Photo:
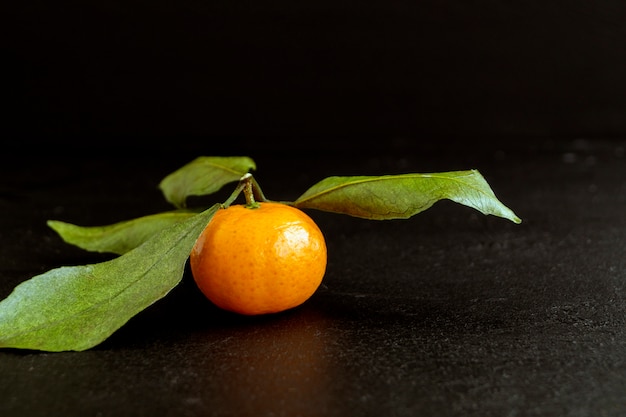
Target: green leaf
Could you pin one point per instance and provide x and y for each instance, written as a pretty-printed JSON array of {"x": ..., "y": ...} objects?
[
  {"x": 117, "y": 238},
  {"x": 78, "y": 307},
  {"x": 203, "y": 176},
  {"x": 402, "y": 196}
]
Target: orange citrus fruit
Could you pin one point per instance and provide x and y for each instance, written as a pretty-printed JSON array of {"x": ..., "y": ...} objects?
[{"x": 259, "y": 260}]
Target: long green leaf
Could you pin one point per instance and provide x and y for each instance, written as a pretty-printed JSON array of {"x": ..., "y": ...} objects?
[
  {"x": 78, "y": 307},
  {"x": 203, "y": 176},
  {"x": 117, "y": 238},
  {"x": 402, "y": 196}
]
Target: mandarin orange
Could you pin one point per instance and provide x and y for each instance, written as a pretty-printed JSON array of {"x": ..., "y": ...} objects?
[{"x": 259, "y": 260}]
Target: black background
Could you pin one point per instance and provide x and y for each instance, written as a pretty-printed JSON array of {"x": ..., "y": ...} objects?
[
  {"x": 372, "y": 70},
  {"x": 449, "y": 313}
]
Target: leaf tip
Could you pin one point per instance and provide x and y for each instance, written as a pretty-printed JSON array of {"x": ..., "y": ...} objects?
[{"x": 55, "y": 225}]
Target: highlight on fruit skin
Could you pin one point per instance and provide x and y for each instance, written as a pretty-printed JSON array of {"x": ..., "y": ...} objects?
[{"x": 260, "y": 260}]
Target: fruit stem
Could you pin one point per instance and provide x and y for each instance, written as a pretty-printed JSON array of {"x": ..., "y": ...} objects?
[
  {"x": 248, "y": 192},
  {"x": 251, "y": 191}
]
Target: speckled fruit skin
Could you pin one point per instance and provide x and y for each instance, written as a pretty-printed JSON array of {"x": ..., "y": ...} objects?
[{"x": 260, "y": 260}]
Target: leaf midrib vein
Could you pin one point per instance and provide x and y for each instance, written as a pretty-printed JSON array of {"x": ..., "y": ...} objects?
[
  {"x": 103, "y": 300},
  {"x": 393, "y": 177}
]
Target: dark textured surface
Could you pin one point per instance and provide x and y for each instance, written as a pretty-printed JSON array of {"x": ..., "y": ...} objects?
[{"x": 450, "y": 313}]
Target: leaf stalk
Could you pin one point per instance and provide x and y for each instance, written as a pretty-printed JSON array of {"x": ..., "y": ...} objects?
[{"x": 251, "y": 191}]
